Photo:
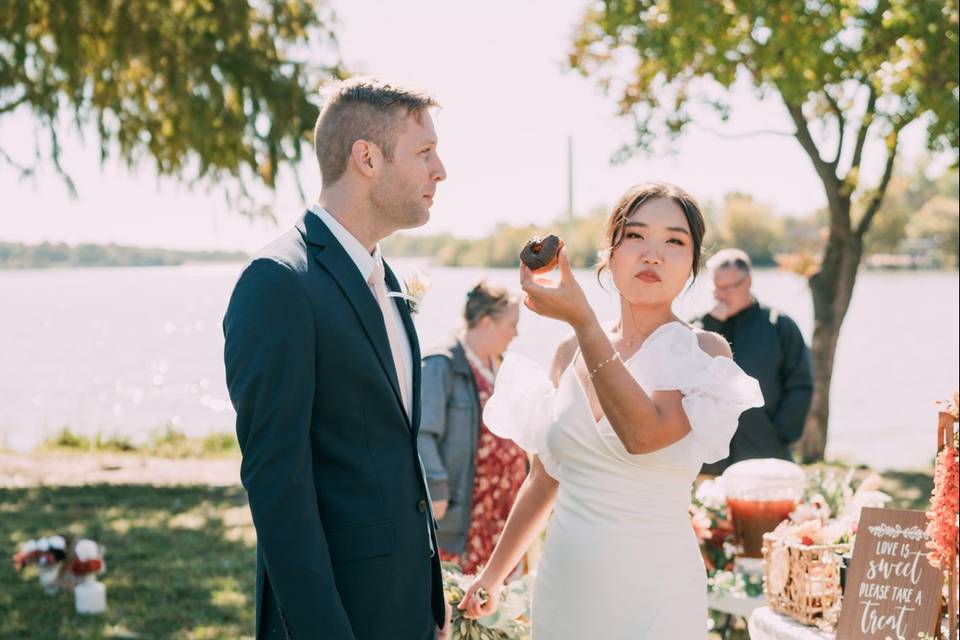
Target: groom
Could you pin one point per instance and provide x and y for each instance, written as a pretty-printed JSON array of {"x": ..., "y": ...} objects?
[{"x": 323, "y": 368}]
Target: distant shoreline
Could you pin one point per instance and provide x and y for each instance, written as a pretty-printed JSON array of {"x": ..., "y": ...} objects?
[
  {"x": 19, "y": 256},
  {"x": 91, "y": 267},
  {"x": 60, "y": 256}
]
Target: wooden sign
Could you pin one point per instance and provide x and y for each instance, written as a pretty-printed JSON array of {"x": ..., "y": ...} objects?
[{"x": 892, "y": 592}]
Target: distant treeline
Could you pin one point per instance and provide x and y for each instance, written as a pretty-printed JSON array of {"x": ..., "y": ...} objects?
[
  {"x": 48, "y": 255},
  {"x": 918, "y": 226}
]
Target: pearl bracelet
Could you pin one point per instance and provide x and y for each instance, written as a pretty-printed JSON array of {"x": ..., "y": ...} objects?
[{"x": 596, "y": 370}]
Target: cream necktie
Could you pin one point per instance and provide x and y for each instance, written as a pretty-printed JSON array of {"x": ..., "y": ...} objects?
[{"x": 378, "y": 285}]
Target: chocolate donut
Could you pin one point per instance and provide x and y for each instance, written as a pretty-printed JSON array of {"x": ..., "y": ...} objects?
[{"x": 540, "y": 254}]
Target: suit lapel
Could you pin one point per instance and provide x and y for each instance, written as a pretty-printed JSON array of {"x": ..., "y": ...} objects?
[
  {"x": 335, "y": 260},
  {"x": 411, "y": 331}
]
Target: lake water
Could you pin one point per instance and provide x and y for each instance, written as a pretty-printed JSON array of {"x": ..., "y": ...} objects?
[{"x": 127, "y": 351}]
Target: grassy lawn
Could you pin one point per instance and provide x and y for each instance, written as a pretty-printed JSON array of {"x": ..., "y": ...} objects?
[
  {"x": 909, "y": 489},
  {"x": 180, "y": 561},
  {"x": 165, "y": 442}
]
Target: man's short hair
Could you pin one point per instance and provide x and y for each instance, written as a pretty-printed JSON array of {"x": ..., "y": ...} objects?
[
  {"x": 730, "y": 258},
  {"x": 363, "y": 108}
]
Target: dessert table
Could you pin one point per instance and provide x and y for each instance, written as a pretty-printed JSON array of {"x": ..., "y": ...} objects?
[
  {"x": 765, "y": 624},
  {"x": 740, "y": 606}
]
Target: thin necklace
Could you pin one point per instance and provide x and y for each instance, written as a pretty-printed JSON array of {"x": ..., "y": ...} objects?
[{"x": 628, "y": 342}]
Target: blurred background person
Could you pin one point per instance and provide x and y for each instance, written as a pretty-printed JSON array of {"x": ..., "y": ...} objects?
[
  {"x": 768, "y": 345},
  {"x": 473, "y": 475}
]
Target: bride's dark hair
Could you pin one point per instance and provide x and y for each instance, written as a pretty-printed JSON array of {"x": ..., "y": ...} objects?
[{"x": 633, "y": 199}]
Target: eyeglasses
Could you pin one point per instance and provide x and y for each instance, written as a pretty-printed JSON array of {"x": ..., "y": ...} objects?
[{"x": 731, "y": 287}]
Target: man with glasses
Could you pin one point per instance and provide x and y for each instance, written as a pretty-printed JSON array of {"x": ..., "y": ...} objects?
[{"x": 768, "y": 345}]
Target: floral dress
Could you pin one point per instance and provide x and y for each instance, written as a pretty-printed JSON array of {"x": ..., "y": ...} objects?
[{"x": 500, "y": 469}]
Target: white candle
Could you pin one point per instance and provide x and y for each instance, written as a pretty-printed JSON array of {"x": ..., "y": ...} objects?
[{"x": 90, "y": 596}]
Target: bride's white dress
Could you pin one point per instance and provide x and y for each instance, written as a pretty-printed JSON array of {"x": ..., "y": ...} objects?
[{"x": 621, "y": 560}]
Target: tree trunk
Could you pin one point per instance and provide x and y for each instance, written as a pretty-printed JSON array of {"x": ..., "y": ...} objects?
[
  {"x": 832, "y": 289},
  {"x": 832, "y": 285}
]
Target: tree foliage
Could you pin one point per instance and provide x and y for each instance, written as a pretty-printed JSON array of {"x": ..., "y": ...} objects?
[
  {"x": 847, "y": 71},
  {"x": 895, "y": 60},
  {"x": 907, "y": 197},
  {"x": 924, "y": 211},
  {"x": 217, "y": 90},
  {"x": 938, "y": 223},
  {"x": 751, "y": 226}
]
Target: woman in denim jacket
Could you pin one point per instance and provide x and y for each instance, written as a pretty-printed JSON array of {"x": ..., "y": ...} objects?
[{"x": 473, "y": 475}]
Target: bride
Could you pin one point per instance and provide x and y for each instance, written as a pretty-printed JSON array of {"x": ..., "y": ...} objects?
[{"x": 619, "y": 431}]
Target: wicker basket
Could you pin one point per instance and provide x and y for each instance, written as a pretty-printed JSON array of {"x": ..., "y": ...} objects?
[{"x": 803, "y": 582}]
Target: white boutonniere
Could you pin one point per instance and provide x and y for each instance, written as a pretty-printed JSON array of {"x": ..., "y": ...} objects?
[{"x": 415, "y": 290}]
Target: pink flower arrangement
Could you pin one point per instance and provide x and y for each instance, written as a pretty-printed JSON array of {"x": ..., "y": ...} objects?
[
  {"x": 43, "y": 552},
  {"x": 714, "y": 531},
  {"x": 701, "y": 523},
  {"x": 87, "y": 558},
  {"x": 944, "y": 504}
]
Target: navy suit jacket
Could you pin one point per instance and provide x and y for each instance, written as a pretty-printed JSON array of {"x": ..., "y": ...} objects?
[{"x": 345, "y": 535}]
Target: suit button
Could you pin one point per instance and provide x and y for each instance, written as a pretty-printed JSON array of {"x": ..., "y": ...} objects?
[{"x": 422, "y": 506}]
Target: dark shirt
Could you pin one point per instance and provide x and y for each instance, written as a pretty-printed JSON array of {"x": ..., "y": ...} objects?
[{"x": 767, "y": 345}]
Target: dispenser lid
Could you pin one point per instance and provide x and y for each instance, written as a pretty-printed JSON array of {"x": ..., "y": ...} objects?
[{"x": 764, "y": 478}]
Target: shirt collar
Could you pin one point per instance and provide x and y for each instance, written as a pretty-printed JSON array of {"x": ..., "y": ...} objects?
[
  {"x": 358, "y": 253},
  {"x": 747, "y": 310},
  {"x": 474, "y": 359}
]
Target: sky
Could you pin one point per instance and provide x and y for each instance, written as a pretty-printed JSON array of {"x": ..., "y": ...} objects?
[{"x": 508, "y": 110}]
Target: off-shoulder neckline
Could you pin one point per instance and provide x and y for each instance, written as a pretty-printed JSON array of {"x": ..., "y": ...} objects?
[
  {"x": 643, "y": 345},
  {"x": 581, "y": 389}
]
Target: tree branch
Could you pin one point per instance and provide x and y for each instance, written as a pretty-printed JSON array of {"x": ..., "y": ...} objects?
[
  {"x": 55, "y": 156},
  {"x": 838, "y": 112},
  {"x": 25, "y": 172},
  {"x": 297, "y": 181},
  {"x": 824, "y": 169},
  {"x": 10, "y": 106},
  {"x": 862, "y": 133},
  {"x": 877, "y": 198},
  {"x": 748, "y": 134}
]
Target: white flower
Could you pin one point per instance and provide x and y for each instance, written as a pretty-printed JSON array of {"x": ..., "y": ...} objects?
[
  {"x": 57, "y": 542},
  {"x": 861, "y": 499},
  {"x": 712, "y": 494},
  {"x": 871, "y": 483},
  {"x": 87, "y": 550},
  {"x": 836, "y": 531},
  {"x": 815, "y": 509},
  {"x": 514, "y": 603},
  {"x": 29, "y": 546},
  {"x": 43, "y": 544},
  {"x": 415, "y": 290}
]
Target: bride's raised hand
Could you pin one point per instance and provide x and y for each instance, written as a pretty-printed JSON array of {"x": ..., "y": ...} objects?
[
  {"x": 481, "y": 599},
  {"x": 561, "y": 300}
]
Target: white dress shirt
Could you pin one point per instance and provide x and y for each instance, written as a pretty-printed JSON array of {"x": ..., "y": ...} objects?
[{"x": 365, "y": 263}]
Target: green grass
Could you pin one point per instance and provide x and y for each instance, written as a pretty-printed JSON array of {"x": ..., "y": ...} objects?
[
  {"x": 180, "y": 562},
  {"x": 909, "y": 489},
  {"x": 165, "y": 442}
]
